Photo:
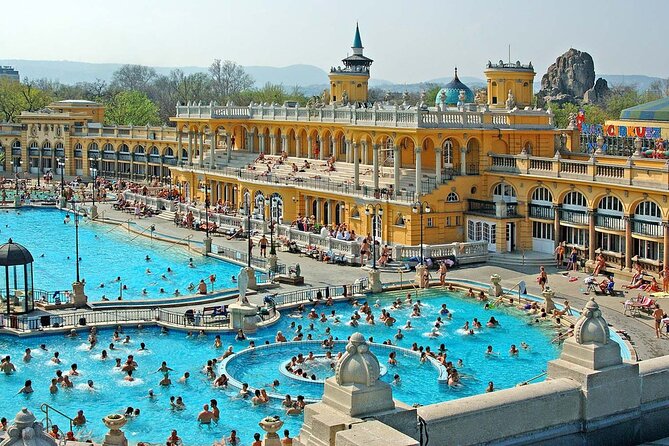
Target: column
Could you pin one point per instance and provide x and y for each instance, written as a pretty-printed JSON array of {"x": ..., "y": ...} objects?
[
  {"x": 228, "y": 143},
  {"x": 190, "y": 148},
  {"x": 556, "y": 224},
  {"x": 179, "y": 148},
  {"x": 396, "y": 168},
  {"x": 365, "y": 152},
  {"x": 321, "y": 151},
  {"x": 629, "y": 249},
  {"x": 318, "y": 210},
  {"x": 375, "y": 165},
  {"x": 438, "y": 165},
  {"x": 419, "y": 171},
  {"x": 212, "y": 150},
  {"x": 201, "y": 144},
  {"x": 272, "y": 142},
  {"x": 463, "y": 161},
  {"x": 356, "y": 166},
  {"x": 665, "y": 254},
  {"x": 333, "y": 147},
  {"x": 261, "y": 143},
  {"x": 298, "y": 148},
  {"x": 284, "y": 143},
  {"x": 592, "y": 235},
  {"x": 310, "y": 148}
]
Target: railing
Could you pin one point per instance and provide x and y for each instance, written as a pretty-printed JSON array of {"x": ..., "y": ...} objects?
[
  {"x": 614, "y": 222},
  {"x": 543, "y": 165},
  {"x": 652, "y": 229},
  {"x": 460, "y": 251},
  {"x": 576, "y": 217},
  {"x": 482, "y": 207},
  {"x": 58, "y": 297},
  {"x": 512, "y": 210},
  {"x": 610, "y": 171},
  {"x": 360, "y": 286},
  {"x": 46, "y": 408},
  {"x": 541, "y": 211}
]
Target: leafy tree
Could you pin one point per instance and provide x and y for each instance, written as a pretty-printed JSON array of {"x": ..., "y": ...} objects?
[
  {"x": 16, "y": 97},
  {"x": 228, "y": 80},
  {"x": 133, "y": 77},
  {"x": 431, "y": 94},
  {"x": 131, "y": 108}
]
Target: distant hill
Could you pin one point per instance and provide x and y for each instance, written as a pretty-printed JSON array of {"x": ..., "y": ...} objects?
[{"x": 641, "y": 82}]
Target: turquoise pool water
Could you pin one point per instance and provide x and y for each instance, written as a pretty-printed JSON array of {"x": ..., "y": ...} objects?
[
  {"x": 107, "y": 252},
  {"x": 418, "y": 381}
]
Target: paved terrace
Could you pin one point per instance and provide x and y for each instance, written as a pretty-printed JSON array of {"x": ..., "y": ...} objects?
[{"x": 640, "y": 329}]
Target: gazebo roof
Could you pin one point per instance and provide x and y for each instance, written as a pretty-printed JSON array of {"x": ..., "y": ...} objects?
[{"x": 14, "y": 254}]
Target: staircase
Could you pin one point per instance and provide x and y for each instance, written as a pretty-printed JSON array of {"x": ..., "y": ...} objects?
[
  {"x": 511, "y": 260},
  {"x": 166, "y": 215}
]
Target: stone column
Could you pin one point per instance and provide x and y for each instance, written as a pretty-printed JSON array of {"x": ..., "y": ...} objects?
[
  {"x": 665, "y": 240},
  {"x": 333, "y": 147},
  {"x": 396, "y": 168},
  {"x": 212, "y": 149},
  {"x": 438, "y": 164},
  {"x": 356, "y": 165},
  {"x": 556, "y": 224},
  {"x": 319, "y": 211},
  {"x": 629, "y": 249},
  {"x": 272, "y": 144},
  {"x": 252, "y": 141},
  {"x": 261, "y": 143},
  {"x": 298, "y": 147},
  {"x": 463, "y": 161},
  {"x": 321, "y": 152},
  {"x": 201, "y": 143},
  {"x": 365, "y": 153},
  {"x": 190, "y": 148},
  {"x": 228, "y": 143},
  {"x": 179, "y": 148},
  {"x": 310, "y": 148},
  {"x": 284, "y": 143},
  {"x": 592, "y": 235},
  {"x": 375, "y": 165},
  {"x": 419, "y": 171}
]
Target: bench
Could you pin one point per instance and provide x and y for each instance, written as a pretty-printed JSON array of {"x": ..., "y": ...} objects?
[
  {"x": 215, "y": 307},
  {"x": 289, "y": 279}
]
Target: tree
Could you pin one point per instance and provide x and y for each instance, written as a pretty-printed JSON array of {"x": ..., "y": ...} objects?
[
  {"x": 194, "y": 87},
  {"x": 131, "y": 108},
  {"x": 228, "y": 80},
  {"x": 133, "y": 77},
  {"x": 619, "y": 98},
  {"x": 16, "y": 97},
  {"x": 431, "y": 94}
]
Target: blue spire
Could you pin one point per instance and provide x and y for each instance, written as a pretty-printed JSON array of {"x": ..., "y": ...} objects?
[{"x": 357, "y": 41}]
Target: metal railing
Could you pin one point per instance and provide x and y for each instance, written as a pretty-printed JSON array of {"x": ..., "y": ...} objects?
[
  {"x": 482, "y": 207},
  {"x": 652, "y": 229},
  {"x": 541, "y": 211},
  {"x": 615, "y": 222},
  {"x": 573, "y": 216},
  {"x": 46, "y": 408}
]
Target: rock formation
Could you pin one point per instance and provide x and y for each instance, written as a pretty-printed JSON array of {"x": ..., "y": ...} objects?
[
  {"x": 596, "y": 94},
  {"x": 567, "y": 80}
]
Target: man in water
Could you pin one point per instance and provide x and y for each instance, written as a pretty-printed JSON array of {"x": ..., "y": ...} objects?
[
  {"x": 6, "y": 366},
  {"x": 206, "y": 415}
]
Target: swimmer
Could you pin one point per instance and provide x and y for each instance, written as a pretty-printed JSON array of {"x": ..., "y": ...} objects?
[
  {"x": 162, "y": 291},
  {"x": 56, "y": 358},
  {"x": 166, "y": 381},
  {"x": 190, "y": 263},
  {"x": 489, "y": 351},
  {"x": 90, "y": 384},
  {"x": 148, "y": 271},
  {"x": 118, "y": 279},
  {"x": 53, "y": 388},
  {"x": 102, "y": 285},
  {"x": 184, "y": 379},
  {"x": 396, "y": 379},
  {"x": 129, "y": 376},
  {"x": 205, "y": 416},
  {"x": 524, "y": 345},
  {"x": 147, "y": 258},
  {"x": 27, "y": 357},
  {"x": 126, "y": 340},
  {"x": 491, "y": 387},
  {"x": 233, "y": 279},
  {"x": 144, "y": 292},
  {"x": 169, "y": 270},
  {"x": 163, "y": 276},
  {"x": 27, "y": 388},
  {"x": 513, "y": 351},
  {"x": 177, "y": 292}
]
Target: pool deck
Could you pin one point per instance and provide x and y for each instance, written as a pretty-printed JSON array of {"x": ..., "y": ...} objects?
[{"x": 640, "y": 329}]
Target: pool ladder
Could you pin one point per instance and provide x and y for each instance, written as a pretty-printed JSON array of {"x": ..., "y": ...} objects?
[{"x": 47, "y": 409}]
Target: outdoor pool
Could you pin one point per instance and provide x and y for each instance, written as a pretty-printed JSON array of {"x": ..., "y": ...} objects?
[
  {"x": 419, "y": 383},
  {"x": 107, "y": 252}
]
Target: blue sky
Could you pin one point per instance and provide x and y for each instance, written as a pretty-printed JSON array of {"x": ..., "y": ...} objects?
[{"x": 409, "y": 40}]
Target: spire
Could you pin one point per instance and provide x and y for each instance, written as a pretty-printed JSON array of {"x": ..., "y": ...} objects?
[
  {"x": 357, "y": 41},
  {"x": 456, "y": 74}
]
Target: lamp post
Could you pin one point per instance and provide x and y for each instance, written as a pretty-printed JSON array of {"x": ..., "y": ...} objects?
[
  {"x": 272, "y": 223},
  {"x": 247, "y": 205},
  {"x": 421, "y": 207},
  {"x": 375, "y": 211},
  {"x": 207, "y": 239},
  {"x": 17, "y": 197},
  {"x": 76, "y": 236},
  {"x": 94, "y": 174}
]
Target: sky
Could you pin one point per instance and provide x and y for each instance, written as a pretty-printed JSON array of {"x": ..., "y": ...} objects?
[{"x": 410, "y": 41}]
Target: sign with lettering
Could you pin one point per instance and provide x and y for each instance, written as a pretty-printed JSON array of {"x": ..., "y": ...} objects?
[{"x": 622, "y": 131}]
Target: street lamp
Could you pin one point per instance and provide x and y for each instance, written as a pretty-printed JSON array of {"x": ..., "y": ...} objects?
[
  {"x": 247, "y": 204},
  {"x": 376, "y": 211},
  {"x": 206, "y": 208},
  {"x": 61, "y": 166},
  {"x": 76, "y": 235},
  {"x": 421, "y": 207},
  {"x": 94, "y": 174},
  {"x": 272, "y": 250}
]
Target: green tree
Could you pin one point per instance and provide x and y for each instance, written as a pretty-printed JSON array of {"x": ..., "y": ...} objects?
[
  {"x": 131, "y": 108},
  {"x": 228, "y": 79},
  {"x": 133, "y": 77},
  {"x": 431, "y": 94},
  {"x": 16, "y": 97}
]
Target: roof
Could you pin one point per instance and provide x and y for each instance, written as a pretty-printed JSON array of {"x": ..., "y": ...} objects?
[
  {"x": 657, "y": 110},
  {"x": 357, "y": 58},
  {"x": 14, "y": 254},
  {"x": 357, "y": 41}
]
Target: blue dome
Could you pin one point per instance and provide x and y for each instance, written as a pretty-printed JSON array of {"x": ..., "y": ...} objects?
[{"x": 451, "y": 92}]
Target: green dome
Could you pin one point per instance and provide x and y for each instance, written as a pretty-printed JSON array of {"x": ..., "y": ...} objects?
[{"x": 451, "y": 92}]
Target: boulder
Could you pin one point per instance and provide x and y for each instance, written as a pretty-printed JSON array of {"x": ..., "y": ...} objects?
[
  {"x": 596, "y": 94},
  {"x": 572, "y": 74}
]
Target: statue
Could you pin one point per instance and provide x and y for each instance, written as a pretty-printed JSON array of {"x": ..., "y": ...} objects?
[
  {"x": 242, "y": 285},
  {"x": 441, "y": 100},
  {"x": 386, "y": 97},
  {"x": 510, "y": 101},
  {"x": 481, "y": 96},
  {"x": 572, "y": 121},
  {"x": 325, "y": 97},
  {"x": 58, "y": 130},
  {"x": 33, "y": 130},
  {"x": 27, "y": 431},
  {"x": 461, "y": 97},
  {"x": 358, "y": 365},
  {"x": 405, "y": 97},
  {"x": 344, "y": 97},
  {"x": 496, "y": 287}
]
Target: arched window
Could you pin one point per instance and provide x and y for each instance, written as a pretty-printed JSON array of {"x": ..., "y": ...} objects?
[
  {"x": 93, "y": 147},
  {"x": 139, "y": 149},
  {"x": 259, "y": 205},
  {"x": 649, "y": 211},
  {"x": 16, "y": 145},
  {"x": 59, "y": 145},
  {"x": 77, "y": 146},
  {"x": 452, "y": 197},
  {"x": 46, "y": 145},
  {"x": 542, "y": 194},
  {"x": 355, "y": 212},
  {"x": 276, "y": 204},
  {"x": 399, "y": 220},
  {"x": 610, "y": 205},
  {"x": 504, "y": 191},
  {"x": 155, "y": 151},
  {"x": 574, "y": 200},
  {"x": 108, "y": 148},
  {"x": 123, "y": 148},
  {"x": 33, "y": 145},
  {"x": 447, "y": 150},
  {"x": 169, "y": 152}
]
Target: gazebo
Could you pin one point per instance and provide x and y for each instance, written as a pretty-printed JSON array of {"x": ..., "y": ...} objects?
[{"x": 17, "y": 265}]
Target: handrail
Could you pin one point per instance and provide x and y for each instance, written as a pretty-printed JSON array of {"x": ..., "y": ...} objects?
[
  {"x": 140, "y": 233},
  {"x": 46, "y": 407},
  {"x": 189, "y": 236},
  {"x": 524, "y": 383}
]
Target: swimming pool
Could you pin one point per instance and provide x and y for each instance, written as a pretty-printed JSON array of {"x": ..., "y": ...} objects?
[
  {"x": 418, "y": 382},
  {"x": 107, "y": 252}
]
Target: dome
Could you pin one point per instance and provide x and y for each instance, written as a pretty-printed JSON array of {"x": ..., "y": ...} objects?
[
  {"x": 14, "y": 254},
  {"x": 451, "y": 92}
]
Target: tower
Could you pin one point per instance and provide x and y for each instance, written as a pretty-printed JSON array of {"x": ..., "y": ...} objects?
[
  {"x": 514, "y": 78},
  {"x": 350, "y": 82}
]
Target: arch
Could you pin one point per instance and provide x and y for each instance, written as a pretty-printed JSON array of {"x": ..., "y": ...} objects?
[
  {"x": 399, "y": 220},
  {"x": 500, "y": 146},
  {"x": 450, "y": 152},
  {"x": 138, "y": 149},
  {"x": 527, "y": 147},
  {"x": 276, "y": 207},
  {"x": 574, "y": 200},
  {"x": 59, "y": 145},
  {"x": 123, "y": 148},
  {"x": 153, "y": 151},
  {"x": 542, "y": 195},
  {"x": 355, "y": 212},
  {"x": 33, "y": 145},
  {"x": 338, "y": 213},
  {"x": 108, "y": 148},
  {"x": 168, "y": 151},
  {"x": 505, "y": 192},
  {"x": 46, "y": 144},
  {"x": 472, "y": 155},
  {"x": 611, "y": 205},
  {"x": 259, "y": 204},
  {"x": 93, "y": 147},
  {"x": 16, "y": 144},
  {"x": 648, "y": 210},
  {"x": 78, "y": 147},
  {"x": 407, "y": 146},
  {"x": 452, "y": 197}
]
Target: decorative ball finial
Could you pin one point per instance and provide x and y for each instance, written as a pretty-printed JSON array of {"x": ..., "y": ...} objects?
[
  {"x": 358, "y": 365},
  {"x": 591, "y": 326}
]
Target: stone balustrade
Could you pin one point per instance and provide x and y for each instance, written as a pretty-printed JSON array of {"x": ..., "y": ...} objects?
[
  {"x": 606, "y": 169},
  {"x": 135, "y": 132},
  {"x": 384, "y": 116},
  {"x": 466, "y": 252}
]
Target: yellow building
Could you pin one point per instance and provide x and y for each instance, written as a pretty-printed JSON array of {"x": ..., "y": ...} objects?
[{"x": 498, "y": 172}]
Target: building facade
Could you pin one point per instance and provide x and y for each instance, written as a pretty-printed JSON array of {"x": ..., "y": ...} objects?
[{"x": 494, "y": 169}]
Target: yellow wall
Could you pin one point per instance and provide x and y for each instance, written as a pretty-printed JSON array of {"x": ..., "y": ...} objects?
[
  {"x": 501, "y": 80},
  {"x": 354, "y": 84}
]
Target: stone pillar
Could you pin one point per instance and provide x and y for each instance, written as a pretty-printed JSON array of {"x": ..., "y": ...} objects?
[
  {"x": 321, "y": 151},
  {"x": 629, "y": 249},
  {"x": 375, "y": 165},
  {"x": 228, "y": 143},
  {"x": 333, "y": 147},
  {"x": 356, "y": 165},
  {"x": 665, "y": 241},
  {"x": 463, "y": 161},
  {"x": 212, "y": 150},
  {"x": 556, "y": 225},
  {"x": 396, "y": 168},
  {"x": 271, "y": 425},
  {"x": 592, "y": 235},
  {"x": 318, "y": 210},
  {"x": 272, "y": 139},
  {"x": 420, "y": 278},
  {"x": 365, "y": 153},
  {"x": 298, "y": 147},
  {"x": 284, "y": 143},
  {"x": 179, "y": 148},
  {"x": 190, "y": 148},
  {"x": 252, "y": 142},
  {"x": 261, "y": 143},
  {"x": 201, "y": 144},
  {"x": 438, "y": 164},
  {"x": 310, "y": 148},
  {"x": 419, "y": 172}
]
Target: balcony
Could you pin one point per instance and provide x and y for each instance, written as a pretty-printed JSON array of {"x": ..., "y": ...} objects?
[
  {"x": 615, "y": 222},
  {"x": 542, "y": 212},
  {"x": 489, "y": 209},
  {"x": 647, "y": 228},
  {"x": 574, "y": 217}
]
